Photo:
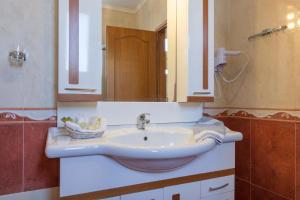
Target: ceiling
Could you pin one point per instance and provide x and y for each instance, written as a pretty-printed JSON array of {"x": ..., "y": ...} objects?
[{"x": 124, "y": 5}]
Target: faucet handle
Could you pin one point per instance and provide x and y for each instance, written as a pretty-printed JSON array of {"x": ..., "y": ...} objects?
[
  {"x": 142, "y": 121},
  {"x": 143, "y": 116}
]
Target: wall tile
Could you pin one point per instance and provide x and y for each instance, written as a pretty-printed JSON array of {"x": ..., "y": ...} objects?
[
  {"x": 298, "y": 161},
  {"x": 273, "y": 69},
  {"x": 273, "y": 156},
  {"x": 11, "y": 156},
  {"x": 242, "y": 190},
  {"x": 39, "y": 171},
  {"x": 242, "y": 156},
  {"x": 34, "y": 26},
  {"x": 260, "y": 194}
]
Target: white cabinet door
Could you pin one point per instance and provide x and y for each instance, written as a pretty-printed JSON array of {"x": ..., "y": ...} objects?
[
  {"x": 195, "y": 50},
  {"x": 189, "y": 191},
  {"x": 80, "y": 49},
  {"x": 217, "y": 186},
  {"x": 224, "y": 196},
  {"x": 147, "y": 195}
]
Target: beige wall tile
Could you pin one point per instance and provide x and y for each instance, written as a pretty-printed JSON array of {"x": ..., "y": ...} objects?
[
  {"x": 152, "y": 14},
  {"x": 112, "y": 17},
  {"x": 222, "y": 15},
  {"x": 33, "y": 26},
  {"x": 271, "y": 79}
]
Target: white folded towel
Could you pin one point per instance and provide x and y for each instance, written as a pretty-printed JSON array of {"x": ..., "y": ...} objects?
[
  {"x": 209, "y": 128},
  {"x": 75, "y": 126},
  {"x": 217, "y": 136}
]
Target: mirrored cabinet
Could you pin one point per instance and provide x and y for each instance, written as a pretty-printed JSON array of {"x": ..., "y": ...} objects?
[
  {"x": 195, "y": 50},
  {"x": 80, "y": 48},
  {"x": 136, "y": 55}
]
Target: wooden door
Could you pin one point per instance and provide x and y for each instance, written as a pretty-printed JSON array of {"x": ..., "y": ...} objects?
[
  {"x": 162, "y": 64},
  {"x": 131, "y": 65}
]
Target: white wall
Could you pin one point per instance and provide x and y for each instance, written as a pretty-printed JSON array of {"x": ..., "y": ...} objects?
[
  {"x": 152, "y": 14},
  {"x": 122, "y": 113}
]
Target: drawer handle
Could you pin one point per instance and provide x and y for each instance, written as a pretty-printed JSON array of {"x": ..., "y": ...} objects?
[
  {"x": 211, "y": 189},
  {"x": 176, "y": 197},
  {"x": 81, "y": 89}
]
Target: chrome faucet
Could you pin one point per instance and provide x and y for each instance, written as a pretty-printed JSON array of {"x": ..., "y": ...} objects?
[{"x": 142, "y": 121}]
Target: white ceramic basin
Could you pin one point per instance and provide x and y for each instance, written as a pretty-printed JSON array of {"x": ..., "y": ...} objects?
[
  {"x": 156, "y": 149},
  {"x": 153, "y": 150}
]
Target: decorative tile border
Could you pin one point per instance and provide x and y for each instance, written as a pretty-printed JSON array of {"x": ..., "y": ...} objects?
[
  {"x": 50, "y": 119},
  {"x": 242, "y": 114},
  {"x": 283, "y": 116},
  {"x": 8, "y": 116},
  {"x": 28, "y": 116},
  {"x": 254, "y": 114}
]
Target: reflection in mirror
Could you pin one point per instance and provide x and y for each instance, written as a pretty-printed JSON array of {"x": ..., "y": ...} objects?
[{"x": 135, "y": 49}]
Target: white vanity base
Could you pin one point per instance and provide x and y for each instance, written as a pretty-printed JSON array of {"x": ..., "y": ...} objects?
[{"x": 86, "y": 174}]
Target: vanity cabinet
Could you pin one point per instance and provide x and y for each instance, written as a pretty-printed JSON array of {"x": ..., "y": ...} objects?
[
  {"x": 216, "y": 186},
  {"x": 212, "y": 189},
  {"x": 147, "y": 195},
  {"x": 80, "y": 50},
  {"x": 224, "y": 196},
  {"x": 189, "y": 191},
  {"x": 113, "y": 198},
  {"x": 195, "y": 50}
]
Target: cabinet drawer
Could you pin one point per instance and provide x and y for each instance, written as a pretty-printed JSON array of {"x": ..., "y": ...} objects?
[
  {"x": 189, "y": 191},
  {"x": 217, "y": 186},
  {"x": 147, "y": 195},
  {"x": 224, "y": 196}
]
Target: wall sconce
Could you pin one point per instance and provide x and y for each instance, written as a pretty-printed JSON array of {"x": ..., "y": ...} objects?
[{"x": 17, "y": 57}]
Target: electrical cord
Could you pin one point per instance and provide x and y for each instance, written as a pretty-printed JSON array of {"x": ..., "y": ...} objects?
[
  {"x": 238, "y": 74},
  {"x": 219, "y": 92}
]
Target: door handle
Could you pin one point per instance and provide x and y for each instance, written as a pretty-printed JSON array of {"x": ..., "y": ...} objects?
[
  {"x": 176, "y": 197},
  {"x": 211, "y": 189}
]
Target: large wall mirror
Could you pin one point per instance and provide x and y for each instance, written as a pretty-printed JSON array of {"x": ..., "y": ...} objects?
[
  {"x": 137, "y": 43},
  {"x": 136, "y": 50}
]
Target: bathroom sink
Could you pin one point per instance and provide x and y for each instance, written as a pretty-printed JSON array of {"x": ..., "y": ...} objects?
[
  {"x": 154, "y": 149},
  {"x": 151, "y": 138}
]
